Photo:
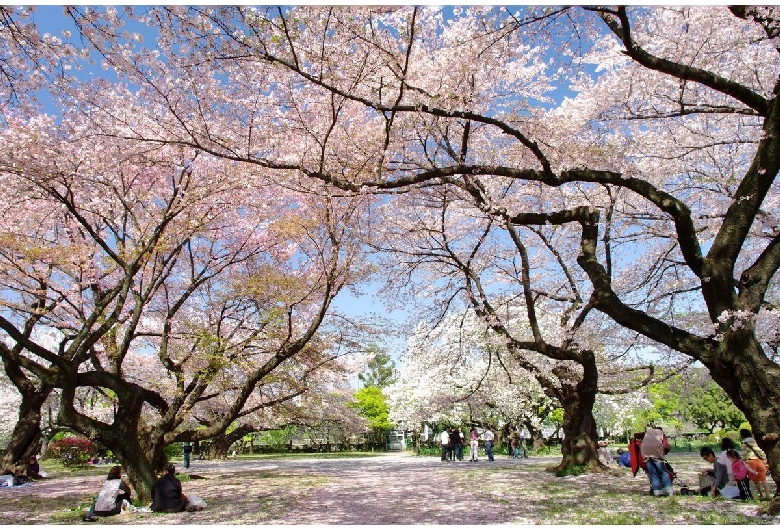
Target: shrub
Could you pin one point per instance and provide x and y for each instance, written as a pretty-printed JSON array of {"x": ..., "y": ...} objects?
[
  {"x": 429, "y": 451},
  {"x": 734, "y": 435},
  {"x": 73, "y": 452},
  {"x": 172, "y": 451}
]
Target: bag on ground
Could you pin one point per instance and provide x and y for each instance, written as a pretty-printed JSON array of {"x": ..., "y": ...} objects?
[{"x": 196, "y": 503}]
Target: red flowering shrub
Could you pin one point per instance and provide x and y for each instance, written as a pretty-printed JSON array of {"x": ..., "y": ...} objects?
[{"x": 73, "y": 452}]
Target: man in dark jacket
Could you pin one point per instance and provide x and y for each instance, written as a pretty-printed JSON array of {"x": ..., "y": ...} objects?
[
  {"x": 166, "y": 493},
  {"x": 457, "y": 443}
]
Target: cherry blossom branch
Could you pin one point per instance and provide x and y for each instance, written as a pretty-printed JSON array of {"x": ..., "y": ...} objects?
[{"x": 617, "y": 21}]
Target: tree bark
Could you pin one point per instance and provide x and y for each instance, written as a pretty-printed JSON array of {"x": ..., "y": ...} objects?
[
  {"x": 26, "y": 436},
  {"x": 537, "y": 438},
  {"x": 220, "y": 445},
  {"x": 142, "y": 468},
  {"x": 579, "y": 445},
  {"x": 753, "y": 383}
]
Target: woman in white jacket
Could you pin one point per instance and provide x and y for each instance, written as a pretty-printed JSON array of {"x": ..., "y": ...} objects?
[{"x": 114, "y": 491}]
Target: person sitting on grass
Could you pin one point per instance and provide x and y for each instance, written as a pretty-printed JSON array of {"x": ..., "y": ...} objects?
[
  {"x": 624, "y": 458},
  {"x": 714, "y": 482},
  {"x": 34, "y": 469},
  {"x": 166, "y": 493},
  {"x": 113, "y": 493}
]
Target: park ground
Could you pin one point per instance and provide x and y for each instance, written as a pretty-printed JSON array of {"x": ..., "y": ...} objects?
[{"x": 392, "y": 488}]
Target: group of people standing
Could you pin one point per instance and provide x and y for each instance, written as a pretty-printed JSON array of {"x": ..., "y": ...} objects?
[{"x": 453, "y": 440}]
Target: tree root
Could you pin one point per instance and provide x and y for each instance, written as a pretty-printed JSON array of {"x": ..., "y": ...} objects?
[{"x": 773, "y": 508}]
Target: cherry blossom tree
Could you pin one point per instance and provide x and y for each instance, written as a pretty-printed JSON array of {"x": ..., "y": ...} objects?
[
  {"x": 536, "y": 321},
  {"x": 669, "y": 133},
  {"x": 310, "y": 393},
  {"x": 458, "y": 373},
  {"x": 164, "y": 274},
  {"x": 644, "y": 139}
]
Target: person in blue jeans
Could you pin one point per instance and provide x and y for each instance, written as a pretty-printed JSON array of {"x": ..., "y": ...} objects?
[
  {"x": 654, "y": 448},
  {"x": 488, "y": 437}
]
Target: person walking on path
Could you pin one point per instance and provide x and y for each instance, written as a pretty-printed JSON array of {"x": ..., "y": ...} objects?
[
  {"x": 445, "y": 442},
  {"x": 755, "y": 458},
  {"x": 513, "y": 445},
  {"x": 488, "y": 437},
  {"x": 187, "y": 450},
  {"x": 654, "y": 448},
  {"x": 521, "y": 443},
  {"x": 473, "y": 443}
]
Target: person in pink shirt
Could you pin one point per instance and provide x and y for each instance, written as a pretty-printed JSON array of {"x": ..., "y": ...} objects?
[
  {"x": 740, "y": 471},
  {"x": 473, "y": 443}
]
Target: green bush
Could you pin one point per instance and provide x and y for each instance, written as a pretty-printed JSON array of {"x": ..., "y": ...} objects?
[
  {"x": 734, "y": 435},
  {"x": 172, "y": 451},
  {"x": 429, "y": 451},
  {"x": 73, "y": 452}
]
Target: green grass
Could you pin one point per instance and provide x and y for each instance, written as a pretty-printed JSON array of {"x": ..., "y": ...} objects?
[{"x": 571, "y": 471}]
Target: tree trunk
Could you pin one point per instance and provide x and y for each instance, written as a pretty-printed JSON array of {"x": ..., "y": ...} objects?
[
  {"x": 26, "y": 436},
  {"x": 537, "y": 438},
  {"x": 579, "y": 446},
  {"x": 140, "y": 450},
  {"x": 220, "y": 445},
  {"x": 753, "y": 383},
  {"x": 142, "y": 470}
]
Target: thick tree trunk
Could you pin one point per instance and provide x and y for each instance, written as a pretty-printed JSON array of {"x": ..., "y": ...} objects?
[
  {"x": 220, "y": 445},
  {"x": 579, "y": 446},
  {"x": 753, "y": 383},
  {"x": 537, "y": 438},
  {"x": 142, "y": 470},
  {"x": 140, "y": 451},
  {"x": 26, "y": 437}
]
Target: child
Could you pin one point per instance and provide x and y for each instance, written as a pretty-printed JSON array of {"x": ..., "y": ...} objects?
[
  {"x": 755, "y": 459},
  {"x": 740, "y": 472}
]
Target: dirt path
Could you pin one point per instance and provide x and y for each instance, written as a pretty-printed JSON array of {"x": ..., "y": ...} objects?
[{"x": 399, "y": 494}]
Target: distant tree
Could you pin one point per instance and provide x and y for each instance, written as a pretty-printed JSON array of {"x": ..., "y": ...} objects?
[
  {"x": 380, "y": 370},
  {"x": 710, "y": 407},
  {"x": 690, "y": 396},
  {"x": 371, "y": 403},
  {"x": 667, "y": 405}
]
